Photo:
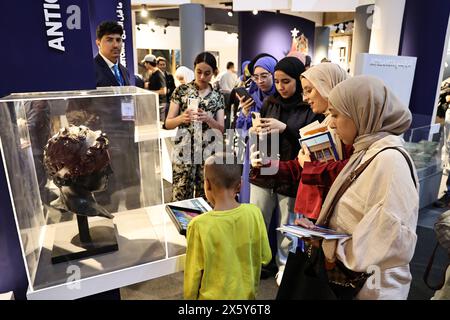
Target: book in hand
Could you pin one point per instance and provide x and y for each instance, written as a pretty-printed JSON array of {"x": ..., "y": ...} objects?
[
  {"x": 321, "y": 142},
  {"x": 191, "y": 204},
  {"x": 181, "y": 216},
  {"x": 317, "y": 231}
]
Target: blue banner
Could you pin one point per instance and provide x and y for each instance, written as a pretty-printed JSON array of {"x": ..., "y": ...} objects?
[
  {"x": 46, "y": 46},
  {"x": 426, "y": 42},
  {"x": 114, "y": 10}
]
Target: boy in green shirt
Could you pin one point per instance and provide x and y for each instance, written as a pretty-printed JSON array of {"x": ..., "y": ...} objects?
[{"x": 227, "y": 246}]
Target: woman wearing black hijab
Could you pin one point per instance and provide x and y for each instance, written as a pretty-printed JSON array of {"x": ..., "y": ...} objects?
[{"x": 286, "y": 113}]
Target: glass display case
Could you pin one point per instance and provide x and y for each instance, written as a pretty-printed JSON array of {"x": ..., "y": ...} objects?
[
  {"x": 148, "y": 243},
  {"x": 424, "y": 144}
]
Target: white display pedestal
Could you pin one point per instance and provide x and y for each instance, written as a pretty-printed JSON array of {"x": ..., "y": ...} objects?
[
  {"x": 429, "y": 188},
  {"x": 149, "y": 247},
  {"x": 7, "y": 296},
  {"x": 166, "y": 153},
  {"x": 148, "y": 132}
]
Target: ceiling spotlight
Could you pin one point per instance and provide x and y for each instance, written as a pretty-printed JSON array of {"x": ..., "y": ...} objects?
[
  {"x": 255, "y": 12},
  {"x": 230, "y": 13},
  {"x": 144, "y": 12}
]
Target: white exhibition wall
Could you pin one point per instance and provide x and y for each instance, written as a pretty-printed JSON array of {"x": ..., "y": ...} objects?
[
  {"x": 224, "y": 43},
  {"x": 396, "y": 71}
]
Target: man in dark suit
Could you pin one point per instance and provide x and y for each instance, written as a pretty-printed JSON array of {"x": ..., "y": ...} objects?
[
  {"x": 125, "y": 181},
  {"x": 108, "y": 70}
]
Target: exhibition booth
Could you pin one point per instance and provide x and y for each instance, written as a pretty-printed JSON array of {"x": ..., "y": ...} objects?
[{"x": 52, "y": 253}]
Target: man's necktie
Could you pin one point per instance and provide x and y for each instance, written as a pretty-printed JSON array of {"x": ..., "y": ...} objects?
[{"x": 117, "y": 74}]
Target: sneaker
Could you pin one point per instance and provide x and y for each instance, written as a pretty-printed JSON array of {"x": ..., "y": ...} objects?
[
  {"x": 279, "y": 277},
  {"x": 443, "y": 201}
]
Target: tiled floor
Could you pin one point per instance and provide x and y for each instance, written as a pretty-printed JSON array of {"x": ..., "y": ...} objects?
[{"x": 171, "y": 287}]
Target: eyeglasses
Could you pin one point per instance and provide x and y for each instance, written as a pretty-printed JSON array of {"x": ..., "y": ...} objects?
[{"x": 262, "y": 76}]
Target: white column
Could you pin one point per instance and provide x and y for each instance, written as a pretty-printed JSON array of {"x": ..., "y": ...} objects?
[{"x": 387, "y": 27}]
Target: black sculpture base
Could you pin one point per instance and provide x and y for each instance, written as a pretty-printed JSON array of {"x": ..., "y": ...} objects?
[{"x": 101, "y": 238}]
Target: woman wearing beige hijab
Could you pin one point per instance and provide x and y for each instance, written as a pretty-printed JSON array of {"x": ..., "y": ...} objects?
[
  {"x": 316, "y": 176},
  {"x": 380, "y": 208},
  {"x": 317, "y": 82}
]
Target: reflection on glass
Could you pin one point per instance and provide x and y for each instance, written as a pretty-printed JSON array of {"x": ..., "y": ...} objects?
[{"x": 27, "y": 121}]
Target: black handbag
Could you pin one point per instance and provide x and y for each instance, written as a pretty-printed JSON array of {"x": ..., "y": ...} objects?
[
  {"x": 307, "y": 276},
  {"x": 302, "y": 280}
]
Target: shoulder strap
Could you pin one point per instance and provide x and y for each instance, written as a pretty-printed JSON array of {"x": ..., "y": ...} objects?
[
  {"x": 427, "y": 272},
  {"x": 355, "y": 174}
]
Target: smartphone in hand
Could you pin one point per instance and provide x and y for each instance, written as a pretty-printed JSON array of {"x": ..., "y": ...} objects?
[
  {"x": 256, "y": 119},
  {"x": 242, "y": 92}
]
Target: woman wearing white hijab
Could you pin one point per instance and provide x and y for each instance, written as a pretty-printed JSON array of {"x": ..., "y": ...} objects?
[
  {"x": 183, "y": 75},
  {"x": 380, "y": 208}
]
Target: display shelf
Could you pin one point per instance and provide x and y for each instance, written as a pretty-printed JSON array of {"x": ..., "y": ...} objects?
[{"x": 424, "y": 145}]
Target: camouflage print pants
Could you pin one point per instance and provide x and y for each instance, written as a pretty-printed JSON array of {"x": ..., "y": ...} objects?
[{"x": 187, "y": 181}]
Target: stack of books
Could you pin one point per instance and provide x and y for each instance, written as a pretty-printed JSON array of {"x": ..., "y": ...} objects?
[
  {"x": 317, "y": 231},
  {"x": 321, "y": 143}
]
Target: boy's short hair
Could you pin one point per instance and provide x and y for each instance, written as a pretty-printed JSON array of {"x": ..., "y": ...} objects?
[
  {"x": 108, "y": 27},
  {"x": 223, "y": 170}
]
